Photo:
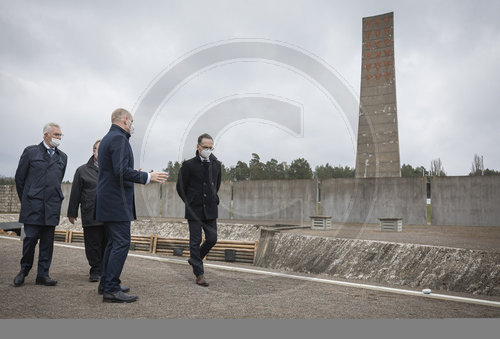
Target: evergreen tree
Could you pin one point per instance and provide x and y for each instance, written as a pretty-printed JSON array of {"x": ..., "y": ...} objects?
[{"x": 300, "y": 169}]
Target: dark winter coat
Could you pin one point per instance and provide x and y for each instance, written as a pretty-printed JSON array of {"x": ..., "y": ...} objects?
[
  {"x": 83, "y": 192},
  {"x": 115, "y": 187},
  {"x": 38, "y": 183},
  {"x": 197, "y": 185}
]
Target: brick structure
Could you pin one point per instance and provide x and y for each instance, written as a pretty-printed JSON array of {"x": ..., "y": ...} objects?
[
  {"x": 9, "y": 202},
  {"x": 378, "y": 141}
]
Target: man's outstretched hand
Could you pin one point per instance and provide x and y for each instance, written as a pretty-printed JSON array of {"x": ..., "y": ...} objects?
[{"x": 159, "y": 177}]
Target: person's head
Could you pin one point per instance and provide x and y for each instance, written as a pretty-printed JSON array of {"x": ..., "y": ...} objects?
[
  {"x": 121, "y": 117},
  {"x": 96, "y": 148},
  {"x": 205, "y": 145},
  {"x": 52, "y": 134}
]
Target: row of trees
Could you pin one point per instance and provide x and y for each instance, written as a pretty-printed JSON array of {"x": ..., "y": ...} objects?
[
  {"x": 272, "y": 170},
  {"x": 300, "y": 169},
  {"x": 437, "y": 169},
  {"x": 478, "y": 167}
]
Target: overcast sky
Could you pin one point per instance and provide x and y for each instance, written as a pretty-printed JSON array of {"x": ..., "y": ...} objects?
[{"x": 75, "y": 62}]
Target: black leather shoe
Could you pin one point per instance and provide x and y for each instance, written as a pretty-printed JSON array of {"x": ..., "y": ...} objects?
[
  {"x": 46, "y": 281},
  {"x": 94, "y": 277},
  {"x": 118, "y": 297},
  {"x": 190, "y": 262},
  {"x": 19, "y": 279},
  {"x": 100, "y": 289}
]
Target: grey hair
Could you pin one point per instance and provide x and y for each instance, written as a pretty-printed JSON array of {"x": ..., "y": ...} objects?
[
  {"x": 118, "y": 114},
  {"x": 95, "y": 144},
  {"x": 48, "y": 127}
]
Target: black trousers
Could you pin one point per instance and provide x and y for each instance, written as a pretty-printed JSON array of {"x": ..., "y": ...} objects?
[
  {"x": 115, "y": 254},
  {"x": 197, "y": 252},
  {"x": 95, "y": 243},
  {"x": 46, "y": 235}
]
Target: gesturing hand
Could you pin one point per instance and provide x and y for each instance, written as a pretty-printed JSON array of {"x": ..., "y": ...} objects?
[{"x": 159, "y": 176}]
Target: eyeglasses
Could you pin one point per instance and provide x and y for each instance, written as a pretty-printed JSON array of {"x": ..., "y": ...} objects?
[{"x": 206, "y": 147}]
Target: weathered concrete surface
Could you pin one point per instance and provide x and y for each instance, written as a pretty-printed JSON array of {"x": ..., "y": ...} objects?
[
  {"x": 468, "y": 237},
  {"x": 172, "y": 204},
  {"x": 9, "y": 202},
  {"x": 275, "y": 199},
  {"x": 147, "y": 199},
  {"x": 225, "y": 196},
  {"x": 434, "y": 267},
  {"x": 66, "y": 191},
  {"x": 472, "y": 201},
  {"x": 378, "y": 142},
  {"x": 367, "y": 199}
]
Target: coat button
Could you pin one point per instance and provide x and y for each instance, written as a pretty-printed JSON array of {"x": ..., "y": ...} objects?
[{"x": 204, "y": 195}]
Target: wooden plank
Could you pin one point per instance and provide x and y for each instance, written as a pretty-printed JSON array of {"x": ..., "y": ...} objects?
[{"x": 155, "y": 243}]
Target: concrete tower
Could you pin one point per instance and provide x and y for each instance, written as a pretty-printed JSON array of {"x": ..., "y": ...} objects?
[{"x": 378, "y": 141}]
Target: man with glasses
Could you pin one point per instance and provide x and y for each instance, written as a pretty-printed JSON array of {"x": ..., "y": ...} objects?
[
  {"x": 197, "y": 184},
  {"x": 38, "y": 182}
]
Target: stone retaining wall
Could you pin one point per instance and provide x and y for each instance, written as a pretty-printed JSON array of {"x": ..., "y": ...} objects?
[{"x": 417, "y": 266}]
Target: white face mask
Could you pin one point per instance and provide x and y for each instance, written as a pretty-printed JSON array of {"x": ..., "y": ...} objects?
[
  {"x": 55, "y": 142},
  {"x": 205, "y": 153}
]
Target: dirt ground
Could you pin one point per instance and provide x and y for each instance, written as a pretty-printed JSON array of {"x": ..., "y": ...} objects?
[
  {"x": 167, "y": 290},
  {"x": 469, "y": 237}
]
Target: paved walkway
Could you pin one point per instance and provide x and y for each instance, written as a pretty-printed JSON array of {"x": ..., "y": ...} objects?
[{"x": 167, "y": 290}]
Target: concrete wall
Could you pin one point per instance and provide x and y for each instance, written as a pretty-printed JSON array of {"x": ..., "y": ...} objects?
[
  {"x": 417, "y": 266},
  {"x": 284, "y": 200},
  {"x": 66, "y": 191},
  {"x": 147, "y": 200},
  {"x": 225, "y": 194},
  {"x": 9, "y": 202},
  {"x": 366, "y": 200},
  {"x": 465, "y": 201},
  {"x": 172, "y": 205}
]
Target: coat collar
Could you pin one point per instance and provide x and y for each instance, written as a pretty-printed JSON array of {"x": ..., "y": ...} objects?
[
  {"x": 46, "y": 155},
  {"x": 119, "y": 129},
  {"x": 91, "y": 163}
]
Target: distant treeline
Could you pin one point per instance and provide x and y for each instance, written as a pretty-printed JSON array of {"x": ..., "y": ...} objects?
[
  {"x": 300, "y": 169},
  {"x": 272, "y": 170}
]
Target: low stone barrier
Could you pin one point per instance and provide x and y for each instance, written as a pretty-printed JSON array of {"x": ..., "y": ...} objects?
[{"x": 418, "y": 266}]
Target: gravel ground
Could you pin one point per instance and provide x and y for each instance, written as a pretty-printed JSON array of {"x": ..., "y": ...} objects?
[
  {"x": 167, "y": 290},
  {"x": 469, "y": 237}
]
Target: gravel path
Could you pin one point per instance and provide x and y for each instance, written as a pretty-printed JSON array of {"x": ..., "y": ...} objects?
[{"x": 167, "y": 290}]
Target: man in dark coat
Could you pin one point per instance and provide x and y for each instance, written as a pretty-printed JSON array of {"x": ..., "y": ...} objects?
[
  {"x": 38, "y": 182},
  {"x": 115, "y": 204},
  {"x": 197, "y": 184},
  {"x": 83, "y": 193}
]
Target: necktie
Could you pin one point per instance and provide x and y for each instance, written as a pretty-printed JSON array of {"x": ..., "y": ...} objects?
[{"x": 51, "y": 152}]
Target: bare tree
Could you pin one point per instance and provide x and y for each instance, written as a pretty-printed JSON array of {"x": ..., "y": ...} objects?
[
  {"x": 437, "y": 169},
  {"x": 477, "y": 165}
]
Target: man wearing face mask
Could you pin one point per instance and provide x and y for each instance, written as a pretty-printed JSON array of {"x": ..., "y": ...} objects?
[
  {"x": 115, "y": 205},
  {"x": 197, "y": 184},
  {"x": 83, "y": 192},
  {"x": 38, "y": 182}
]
